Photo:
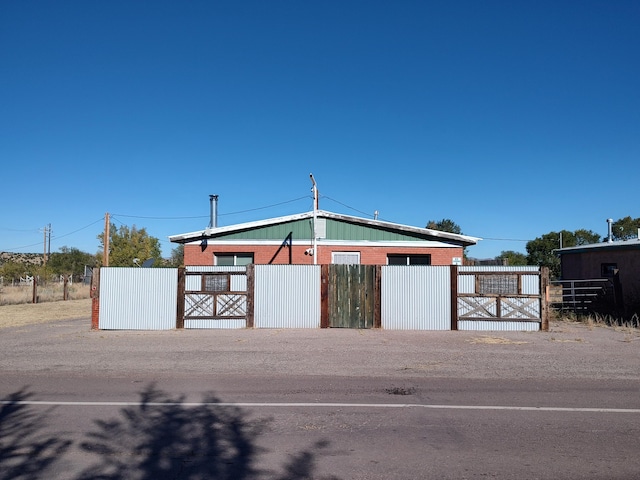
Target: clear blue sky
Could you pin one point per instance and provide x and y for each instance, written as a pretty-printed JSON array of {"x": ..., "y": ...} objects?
[{"x": 511, "y": 118}]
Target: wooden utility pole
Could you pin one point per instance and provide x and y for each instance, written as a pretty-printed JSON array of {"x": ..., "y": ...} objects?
[
  {"x": 105, "y": 254},
  {"x": 44, "y": 254}
]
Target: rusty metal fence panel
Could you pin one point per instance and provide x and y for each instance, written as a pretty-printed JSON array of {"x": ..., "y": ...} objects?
[
  {"x": 287, "y": 296},
  {"x": 416, "y": 298},
  {"x": 133, "y": 298}
]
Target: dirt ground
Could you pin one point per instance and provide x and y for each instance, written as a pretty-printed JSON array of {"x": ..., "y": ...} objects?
[{"x": 32, "y": 313}]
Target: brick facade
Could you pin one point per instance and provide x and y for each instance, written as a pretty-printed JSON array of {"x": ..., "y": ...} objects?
[{"x": 275, "y": 254}]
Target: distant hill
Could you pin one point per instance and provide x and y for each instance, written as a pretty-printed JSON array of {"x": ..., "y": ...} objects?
[{"x": 24, "y": 258}]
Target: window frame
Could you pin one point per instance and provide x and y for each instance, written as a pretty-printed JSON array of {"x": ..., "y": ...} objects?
[
  {"x": 408, "y": 257},
  {"x": 235, "y": 256}
]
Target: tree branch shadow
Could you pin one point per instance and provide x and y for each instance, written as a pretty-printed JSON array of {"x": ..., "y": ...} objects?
[
  {"x": 165, "y": 438},
  {"x": 25, "y": 452}
]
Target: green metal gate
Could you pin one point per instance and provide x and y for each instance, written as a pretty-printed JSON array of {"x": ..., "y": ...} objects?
[{"x": 352, "y": 296}]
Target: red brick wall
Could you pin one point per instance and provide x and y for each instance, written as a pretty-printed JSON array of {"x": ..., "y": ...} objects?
[{"x": 265, "y": 254}]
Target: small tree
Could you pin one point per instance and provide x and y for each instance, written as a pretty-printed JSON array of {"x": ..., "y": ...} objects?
[
  {"x": 177, "y": 257},
  {"x": 127, "y": 244},
  {"x": 540, "y": 251},
  {"x": 445, "y": 225},
  {"x": 70, "y": 261},
  {"x": 625, "y": 228},
  {"x": 12, "y": 271},
  {"x": 513, "y": 258}
]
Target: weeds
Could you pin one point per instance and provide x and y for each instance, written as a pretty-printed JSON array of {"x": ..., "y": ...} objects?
[
  {"x": 603, "y": 320},
  {"x": 50, "y": 292}
]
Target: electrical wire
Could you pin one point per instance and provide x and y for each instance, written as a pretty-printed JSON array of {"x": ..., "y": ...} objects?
[
  {"x": 263, "y": 208},
  {"x": 207, "y": 216},
  {"x": 157, "y": 218},
  {"x": 56, "y": 237},
  {"x": 348, "y": 206}
]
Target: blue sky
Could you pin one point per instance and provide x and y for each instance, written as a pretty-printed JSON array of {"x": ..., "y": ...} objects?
[{"x": 511, "y": 118}]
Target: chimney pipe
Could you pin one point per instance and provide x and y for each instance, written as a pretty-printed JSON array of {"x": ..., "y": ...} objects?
[
  {"x": 213, "y": 217},
  {"x": 610, "y": 222}
]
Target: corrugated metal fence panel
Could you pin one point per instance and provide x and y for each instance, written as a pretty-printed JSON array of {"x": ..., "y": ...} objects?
[
  {"x": 287, "y": 296},
  {"x": 499, "y": 326},
  {"x": 216, "y": 324},
  {"x": 416, "y": 298},
  {"x": 214, "y": 268},
  {"x": 138, "y": 298}
]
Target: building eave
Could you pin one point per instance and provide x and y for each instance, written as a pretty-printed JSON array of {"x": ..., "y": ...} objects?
[{"x": 212, "y": 233}]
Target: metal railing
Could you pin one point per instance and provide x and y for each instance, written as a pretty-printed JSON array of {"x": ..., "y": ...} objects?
[{"x": 581, "y": 295}]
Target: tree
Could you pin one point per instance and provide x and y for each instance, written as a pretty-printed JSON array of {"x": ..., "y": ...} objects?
[
  {"x": 12, "y": 271},
  {"x": 177, "y": 257},
  {"x": 70, "y": 261},
  {"x": 625, "y": 228},
  {"x": 513, "y": 258},
  {"x": 540, "y": 250},
  {"x": 445, "y": 225},
  {"x": 127, "y": 244}
]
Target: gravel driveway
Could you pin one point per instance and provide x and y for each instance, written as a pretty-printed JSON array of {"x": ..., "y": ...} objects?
[{"x": 568, "y": 350}]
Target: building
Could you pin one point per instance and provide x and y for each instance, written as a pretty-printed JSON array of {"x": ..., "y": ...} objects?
[
  {"x": 618, "y": 261},
  {"x": 338, "y": 239}
]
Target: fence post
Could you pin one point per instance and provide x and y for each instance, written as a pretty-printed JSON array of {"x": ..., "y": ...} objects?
[
  {"x": 251, "y": 283},
  {"x": 377, "y": 303},
  {"x": 95, "y": 299},
  {"x": 324, "y": 295},
  {"x": 544, "y": 298},
  {"x": 454, "y": 296},
  {"x": 34, "y": 295},
  {"x": 65, "y": 288},
  {"x": 180, "y": 299}
]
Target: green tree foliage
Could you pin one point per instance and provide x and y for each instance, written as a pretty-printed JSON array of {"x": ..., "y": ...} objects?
[
  {"x": 625, "y": 228},
  {"x": 177, "y": 257},
  {"x": 445, "y": 225},
  {"x": 127, "y": 244},
  {"x": 70, "y": 261},
  {"x": 513, "y": 258},
  {"x": 540, "y": 250},
  {"x": 12, "y": 271}
]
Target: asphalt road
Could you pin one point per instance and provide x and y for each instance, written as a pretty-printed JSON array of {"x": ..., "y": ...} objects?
[{"x": 332, "y": 404}]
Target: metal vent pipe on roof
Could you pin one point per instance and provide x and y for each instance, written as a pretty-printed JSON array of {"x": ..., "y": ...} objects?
[
  {"x": 213, "y": 216},
  {"x": 610, "y": 222}
]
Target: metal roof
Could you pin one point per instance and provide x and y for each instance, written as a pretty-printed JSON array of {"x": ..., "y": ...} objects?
[
  {"x": 403, "y": 230},
  {"x": 617, "y": 245}
]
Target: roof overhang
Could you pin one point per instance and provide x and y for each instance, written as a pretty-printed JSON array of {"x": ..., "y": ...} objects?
[
  {"x": 212, "y": 233},
  {"x": 631, "y": 244}
]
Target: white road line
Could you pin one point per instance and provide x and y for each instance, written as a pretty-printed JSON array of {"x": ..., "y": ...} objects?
[{"x": 321, "y": 405}]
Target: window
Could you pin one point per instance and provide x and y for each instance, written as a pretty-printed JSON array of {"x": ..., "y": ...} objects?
[
  {"x": 345, "y": 258},
  {"x": 608, "y": 269},
  {"x": 233, "y": 259},
  {"x": 395, "y": 259}
]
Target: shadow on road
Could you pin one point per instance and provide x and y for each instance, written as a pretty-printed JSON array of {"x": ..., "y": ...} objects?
[
  {"x": 160, "y": 437},
  {"x": 25, "y": 451}
]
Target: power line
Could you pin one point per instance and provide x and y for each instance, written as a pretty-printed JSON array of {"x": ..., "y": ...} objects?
[
  {"x": 345, "y": 205},
  {"x": 56, "y": 237},
  {"x": 158, "y": 218},
  {"x": 506, "y": 239},
  {"x": 263, "y": 208},
  {"x": 207, "y": 216}
]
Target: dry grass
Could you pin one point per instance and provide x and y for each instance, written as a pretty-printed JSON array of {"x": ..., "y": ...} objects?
[
  {"x": 51, "y": 292},
  {"x": 31, "y": 313},
  {"x": 496, "y": 341}
]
